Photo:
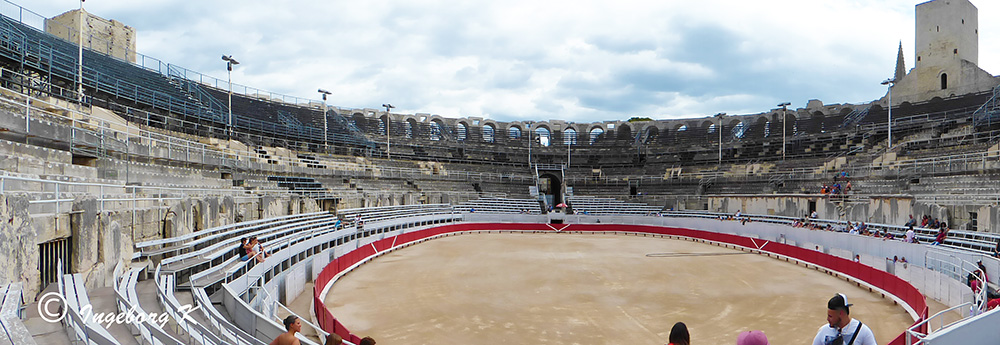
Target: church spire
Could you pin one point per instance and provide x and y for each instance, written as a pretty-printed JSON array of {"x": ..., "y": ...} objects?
[{"x": 900, "y": 64}]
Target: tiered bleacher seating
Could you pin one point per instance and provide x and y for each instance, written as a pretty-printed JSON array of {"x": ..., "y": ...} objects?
[
  {"x": 306, "y": 186},
  {"x": 500, "y": 205},
  {"x": 75, "y": 296},
  {"x": 127, "y": 300},
  {"x": 385, "y": 213},
  {"x": 104, "y": 76},
  {"x": 608, "y": 206}
]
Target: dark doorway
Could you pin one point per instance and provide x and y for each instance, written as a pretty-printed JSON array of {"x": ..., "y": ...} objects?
[{"x": 550, "y": 186}]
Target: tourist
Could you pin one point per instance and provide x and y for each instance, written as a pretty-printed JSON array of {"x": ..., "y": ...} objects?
[
  {"x": 292, "y": 325},
  {"x": 941, "y": 236},
  {"x": 996, "y": 251},
  {"x": 259, "y": 248},
  {"x": 242, "y": 250},
  {"x": 248, "y": 250},
  {"x": 333, "y": 339},
  {"x": 910, "y": 235},
  {"x": 679, "y": 334},
  {"x": 752, "y": 338},
  {"x": 814, "y": 215},
  {"x": 841, "y": 328},
  {"x": 367, "y": 341},
  {"x": 911, "y": 222}
]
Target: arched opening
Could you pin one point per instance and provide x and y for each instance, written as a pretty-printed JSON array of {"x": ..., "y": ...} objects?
[
  {"x": 542, "y": 136},
  {"x": 436, "y": 130},
  {"x": 408, "y": 129},
  {"x": 550, "y": 188},
  {"x": 739, "y": 130},
  {"x": 944, "y": 81},
  {"x": 651, "y": 134},
  {"x": 760, "y": 128},
  {"x": 624, "y": 132},
  {"x": 359, "y": 121},
  {"x": 569, "y": 136},
  {"x": 461, "y": 131},
  {"x": 488, "y": 133},
  {"x": 514, "y": 133},
  {"x": 596, "y": 134}
]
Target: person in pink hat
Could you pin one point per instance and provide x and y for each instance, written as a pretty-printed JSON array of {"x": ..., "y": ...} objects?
[{"x": 752, "y": 338}]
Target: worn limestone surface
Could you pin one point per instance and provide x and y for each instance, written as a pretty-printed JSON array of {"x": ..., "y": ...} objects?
[{"x": 18, "y": 249}]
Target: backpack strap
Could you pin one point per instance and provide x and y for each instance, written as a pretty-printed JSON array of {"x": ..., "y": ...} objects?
[{"x": 856, "y": 331}]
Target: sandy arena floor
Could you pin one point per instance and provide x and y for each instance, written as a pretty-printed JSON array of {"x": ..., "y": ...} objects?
[{"x": 590, "y": 289}]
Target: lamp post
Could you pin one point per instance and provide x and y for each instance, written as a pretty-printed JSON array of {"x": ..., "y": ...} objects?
[
  {"x": 387, "y": 106},
  {"x": 230, "y": 61},
  {"x": 784, "y": 120},
  {"x": 720, "y": 115},
  {"x": 527, "y": 125},
  {"x": 79, "y": 58},
  {"x": 326, "y": 143},
  {"x": 569, "y": 148},
  {"x": 890, "y": 83}
]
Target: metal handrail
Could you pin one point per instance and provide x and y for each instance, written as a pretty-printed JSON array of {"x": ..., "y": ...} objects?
[{"x": 913, "y": 333}]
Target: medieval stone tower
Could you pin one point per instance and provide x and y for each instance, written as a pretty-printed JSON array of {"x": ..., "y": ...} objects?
[{"x": 947, "y": 54}]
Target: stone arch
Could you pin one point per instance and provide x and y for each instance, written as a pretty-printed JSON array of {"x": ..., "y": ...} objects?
[
  {"x": 382, "y": 120},
  {"x": 735, "y": 129},
  {"x": 410, "y": 128},
  {"x": 652, "y": 133},
  {"x": 461, "y": 131},
  {"x": 489, "y": 133},
  {"x": 542, "y": 135},
  {"x": 570, "y": 136},
  {"x": 761, "y": 128},
  {"x": 436, "y": 132},
  {"x": 709, "y": 127},
  {"x": 595, "y": 134},
  {"x": 624, "y": 132},
  {"x": 360, "y": 121},
  {"x": 514, "y": 132}
]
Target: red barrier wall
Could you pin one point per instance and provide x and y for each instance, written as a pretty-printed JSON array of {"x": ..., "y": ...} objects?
[{"x": 882, "y": 280}]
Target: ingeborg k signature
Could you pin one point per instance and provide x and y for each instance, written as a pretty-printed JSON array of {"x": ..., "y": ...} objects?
[{"x": 52, "y": 308}]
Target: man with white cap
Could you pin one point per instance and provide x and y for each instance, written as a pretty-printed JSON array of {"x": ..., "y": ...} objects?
[{"x": 841, "y": 328}]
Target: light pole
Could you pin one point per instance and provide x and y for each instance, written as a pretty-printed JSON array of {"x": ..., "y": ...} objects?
[
  {"x": 387, "y": 106},
  {"x": 720, "y": 115},
  {"x": 569, "y": 148},
  {"x": 326, "y": 143},
  {"x": 527, "y": 124},
  {"x": 890, "y": 83},
  {"x": 79, "y": 58},
  {"x": 784, "y": 120},
  {"x": 230, "y": 61}
]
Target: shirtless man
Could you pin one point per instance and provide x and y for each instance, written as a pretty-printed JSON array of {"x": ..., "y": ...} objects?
[{"x": 293, "y": 325}]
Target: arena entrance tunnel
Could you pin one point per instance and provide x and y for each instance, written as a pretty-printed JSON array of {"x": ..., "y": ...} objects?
[
  {"x": 550, "y": 187},
  {"x": 864, "y": 276}
]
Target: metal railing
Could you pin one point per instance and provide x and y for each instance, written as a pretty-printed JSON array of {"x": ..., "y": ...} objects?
[{"x": 913, "y": 333}]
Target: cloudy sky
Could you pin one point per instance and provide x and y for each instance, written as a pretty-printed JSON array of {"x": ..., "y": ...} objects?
[{"x": 527, "y": 59}]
